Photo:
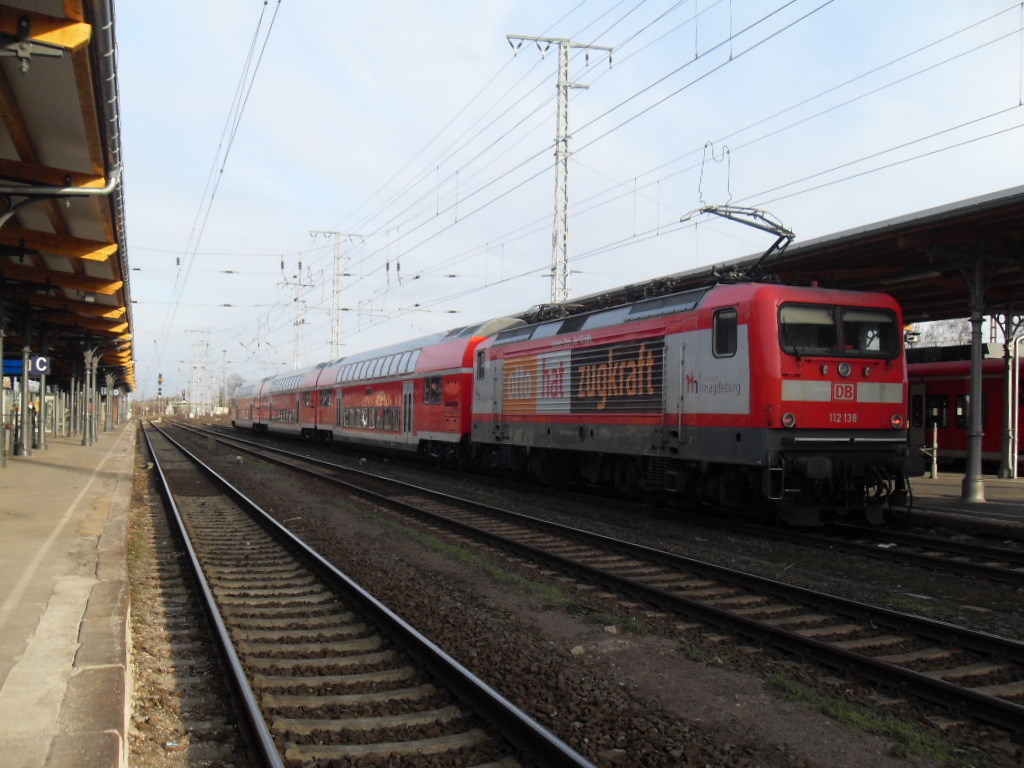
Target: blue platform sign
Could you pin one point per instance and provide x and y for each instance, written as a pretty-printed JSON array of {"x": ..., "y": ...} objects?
[{"x": 37, "y": 366}]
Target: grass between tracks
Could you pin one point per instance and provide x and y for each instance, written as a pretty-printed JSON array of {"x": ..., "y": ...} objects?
[
  {"x": 907, "y": 737},
  {"x": 546, "y": 592}
]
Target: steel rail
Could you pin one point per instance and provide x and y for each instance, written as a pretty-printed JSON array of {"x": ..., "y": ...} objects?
[
  {"x": 516, "y": 726},
  {"x": 991, "y": 709},
  {"x": 250, "y": 708}
]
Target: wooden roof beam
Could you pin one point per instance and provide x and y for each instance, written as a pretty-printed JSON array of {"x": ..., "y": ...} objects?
[
  {"x": 47, "y": 30},
  {"x": 61, "y": 279},
  {"x": 90, "y": 324},
  {"x": 63, "y": 245},
  {"x": 77, "y": 307},
  {"x": 33, "y": 173}
]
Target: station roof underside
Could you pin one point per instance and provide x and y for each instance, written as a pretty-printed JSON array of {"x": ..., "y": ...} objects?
[{"x": 63, "y": 267}]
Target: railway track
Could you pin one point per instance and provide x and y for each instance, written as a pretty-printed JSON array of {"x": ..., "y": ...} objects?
[
  {"x": 324, "y": 670},
  {"x": 940, "y": 554},
  {"x": 976, "y": 674},
  {"x": 944, "y": 555},
  {"x": 1000, "y": 564}
]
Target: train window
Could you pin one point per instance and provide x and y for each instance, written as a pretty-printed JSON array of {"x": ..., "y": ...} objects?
[
  {"x": 870, "y": 332},
  {"x": 937, "y": 410},
  {"x": 963, "y": 403},
  {"x": 481, "y": 360},
  {"x": 963, "y": 411},
  {"x": 606, "y": 318},
  {"x": 917, "y": 411},
  {"x": 306, "y": 399},
  {"x": 432, "y": 390},
  {"x": 514, "y": 334},
  {"x": 547, "y": 329},
  {"x": 679, "y": 302},
  {"x": 415, "y": 359},
  {"x": 806, "y": 329},
  {"x": 725, "y": 333},
  {"x": 325, "y": 398},
  {"x": 571, "y": 324}
]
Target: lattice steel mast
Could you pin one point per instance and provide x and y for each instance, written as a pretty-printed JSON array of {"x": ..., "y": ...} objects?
[
  {"x": 339, "y": 273},
  {"x": 560, "y": 230}
]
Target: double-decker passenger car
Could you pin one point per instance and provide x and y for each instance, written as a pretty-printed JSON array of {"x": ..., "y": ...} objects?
[
  {"x": 940, "y": 398},
  {"x": 413, "y": 396}
]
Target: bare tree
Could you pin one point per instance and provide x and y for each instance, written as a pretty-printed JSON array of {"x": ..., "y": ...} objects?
[{"x": 943, "y": 333}]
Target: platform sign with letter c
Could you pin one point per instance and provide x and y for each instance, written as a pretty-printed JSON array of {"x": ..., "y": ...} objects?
[{"x": 39, "y": 366}]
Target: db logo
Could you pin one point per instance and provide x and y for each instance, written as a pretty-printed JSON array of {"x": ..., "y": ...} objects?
[{"x": 843, "y": 391}]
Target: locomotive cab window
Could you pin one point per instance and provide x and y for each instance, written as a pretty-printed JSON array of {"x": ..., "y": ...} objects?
[
  {"x": 725, "y": 332},
  {"x": 819, "y": 330},
  {"x": 870, "y": 333},
  {"x": 808, "y": 330}
]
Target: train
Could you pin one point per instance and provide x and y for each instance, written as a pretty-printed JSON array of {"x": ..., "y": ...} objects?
[
  {"x": 791, "y": 400},
  {"x": 939, "y": 402}
]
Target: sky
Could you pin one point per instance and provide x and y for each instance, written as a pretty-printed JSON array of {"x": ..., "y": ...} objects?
[{"x": 409, "y": 142}]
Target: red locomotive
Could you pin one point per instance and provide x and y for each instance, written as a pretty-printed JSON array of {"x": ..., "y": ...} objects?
[
  {"x": 939, "y": 401},
  {"x": 736, "y": 393}
]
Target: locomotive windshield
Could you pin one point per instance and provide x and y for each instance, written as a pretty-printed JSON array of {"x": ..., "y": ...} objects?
[{"x": 818, "y": 330}]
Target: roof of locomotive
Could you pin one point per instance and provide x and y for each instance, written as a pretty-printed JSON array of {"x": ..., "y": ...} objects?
[{"x": 673, "y": 303}]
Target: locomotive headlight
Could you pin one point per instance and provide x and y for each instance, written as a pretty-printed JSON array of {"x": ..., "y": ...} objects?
[
  {"x": 896, "y": 421},
  {"x": 788, "y": 420},
  {"x": 844, "y": 369}
]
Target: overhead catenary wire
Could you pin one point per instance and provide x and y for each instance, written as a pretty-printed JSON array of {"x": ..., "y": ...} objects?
[
  {"x": 234, "y": 118},
  {"x": 495, "y": 187}
]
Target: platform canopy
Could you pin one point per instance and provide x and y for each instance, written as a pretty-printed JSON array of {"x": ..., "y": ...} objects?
[
  {"x": 63, "y": 268},
  {"x": 927, "y": 260}
]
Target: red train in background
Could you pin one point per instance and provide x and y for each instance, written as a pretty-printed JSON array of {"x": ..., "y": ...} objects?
[
  {"x": 793, "y": 399},
  {"x": 939, "y": 405}
]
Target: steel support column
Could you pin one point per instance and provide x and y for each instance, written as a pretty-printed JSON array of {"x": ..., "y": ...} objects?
[{"x": 973, "y": 487}]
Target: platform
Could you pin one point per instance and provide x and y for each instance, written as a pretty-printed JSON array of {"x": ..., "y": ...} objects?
[
  {"x": 64, "y": 603},
  {"x": 937, "y": 501},
  {"x": 64, "y": 594}
]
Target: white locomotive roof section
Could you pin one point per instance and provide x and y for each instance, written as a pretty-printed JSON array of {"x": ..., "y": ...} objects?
[{"x": 602, "y": 318}]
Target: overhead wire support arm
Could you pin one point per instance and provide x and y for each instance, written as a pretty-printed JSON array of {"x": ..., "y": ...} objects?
[{"x": 560, "y": 231}]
